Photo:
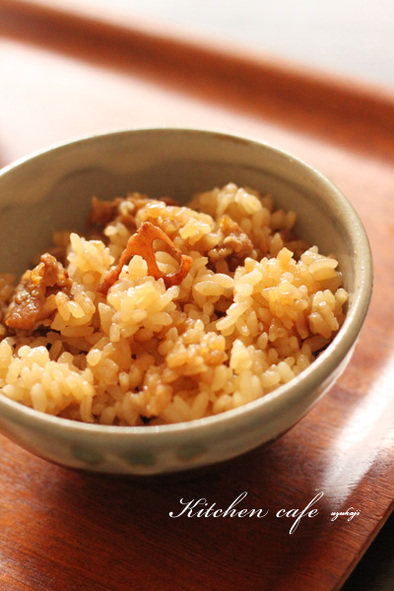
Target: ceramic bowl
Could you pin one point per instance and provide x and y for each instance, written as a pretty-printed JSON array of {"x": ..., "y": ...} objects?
[{"x": 52, "y": 190}]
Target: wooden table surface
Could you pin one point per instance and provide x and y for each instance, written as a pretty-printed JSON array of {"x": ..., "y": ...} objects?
[{"x": 67, "y": 74}]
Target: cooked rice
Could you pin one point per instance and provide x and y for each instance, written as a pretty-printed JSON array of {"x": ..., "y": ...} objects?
[{"x": 254, "y": 310}]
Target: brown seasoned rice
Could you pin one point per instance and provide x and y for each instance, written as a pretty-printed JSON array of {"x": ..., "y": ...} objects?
[{"x": 252, "y": 312}]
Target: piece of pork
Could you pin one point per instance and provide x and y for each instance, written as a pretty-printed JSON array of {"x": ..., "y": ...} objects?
[
  {"x": 27, "y": 306},
  {"x": 233, "y": 241}
]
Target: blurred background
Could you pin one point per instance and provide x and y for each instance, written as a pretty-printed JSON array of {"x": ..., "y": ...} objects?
[
  {"x": 342, "y": 41},
  {"x": 348, "y": 37}
]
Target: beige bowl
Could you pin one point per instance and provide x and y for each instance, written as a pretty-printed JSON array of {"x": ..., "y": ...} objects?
[{"x": 52, "y": 189}]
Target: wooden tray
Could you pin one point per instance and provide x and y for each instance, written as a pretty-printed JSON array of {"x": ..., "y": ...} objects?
[{"x": 71, "y": 73}]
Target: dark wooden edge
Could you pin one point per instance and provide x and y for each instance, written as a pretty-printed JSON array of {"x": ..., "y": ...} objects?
[{"x": 365, "y": 547}]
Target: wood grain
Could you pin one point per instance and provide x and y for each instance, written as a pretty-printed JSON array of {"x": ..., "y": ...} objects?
[{"x": 70, "y": 74}]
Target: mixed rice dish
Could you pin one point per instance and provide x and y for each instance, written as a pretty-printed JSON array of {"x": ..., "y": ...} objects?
[{"x": 165, "y": 313}]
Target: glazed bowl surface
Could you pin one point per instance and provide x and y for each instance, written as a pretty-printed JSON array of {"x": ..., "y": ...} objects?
[{"x": 52, "y": 190}]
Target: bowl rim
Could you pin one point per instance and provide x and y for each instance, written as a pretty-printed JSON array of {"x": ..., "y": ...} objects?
[{"x": 311, "y": 377}]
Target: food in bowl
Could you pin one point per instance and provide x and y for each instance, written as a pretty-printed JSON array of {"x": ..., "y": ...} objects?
[{"x": 165, "y": 313}]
